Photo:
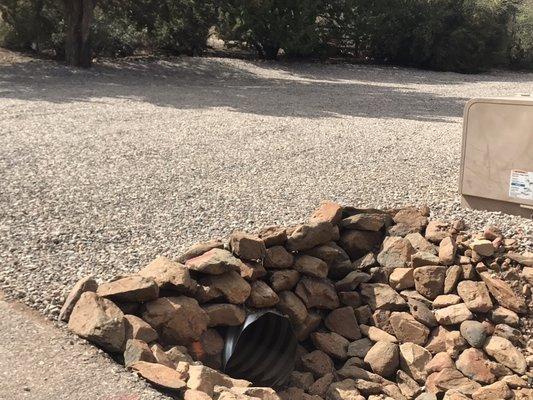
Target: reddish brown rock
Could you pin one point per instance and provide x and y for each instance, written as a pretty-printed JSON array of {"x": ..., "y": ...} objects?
[
  {"x": 343, "y": 321},
  {"x": 429, "y": 280},
  {"x": 455, "y": 343},
  {"x": 359, "y": 243},
  {"x": 311, "y": 266},
  {"x": 437, "y": 340},
  {"x": 359, "y": 348},
  {"x": 453, "y": 275},
  {"x": 234, "y": 288},
  {"x": 498, "y": 390},
  {"x": 136, "y": 328},
  {"x": 377, "y": 335},
  {"x": 195, "y": 395},
  {"x": 99, "y": 321},
  {"x": 291, "y": 305},
  {"x": 161, "y": 356},
  {"x": 318, "y": 363},
  {"x": 331, "y": 343},
  {"x": 440, "y": 382},
  {"x": 503, "y": 351},
  {"x": 364, "y": 222},
  {"x": 352, "y": 281},
  {"x": 382, "y": 296},
  {"x": 439, "y": 362},
  {"x": 317, "y": 293},
  {"x": 262, "y": 296},
  {"x": 200, "y": 248},
  {"x": 503, "y": 293},
  {"x": 273, "y": 235},
  {"x": 178, "y": 320},
  {"x": 205, "y": 379},
  {"x": 413, "y": 360},
  {"x": 310, "y": 235},
  {"x": 168, "y": 274},
  {"x": 208, "y": 349},
  {"x": 252, "y": 270},
  {"x": 475, "y": 295},
  {"x": 396, "y": 252},
  {"x": 284, "y": 280},
  {"x": 352, "y": 299},
  {"x": 447, "y": 250},
  {"x": 344, "y": 390},
  {"x": 383, "y": 358},
  {"x": 445, "y": 300},
  {"x": 409, "y": 220},
  {"x": 159, "y": 375},
  {"x": 501, "y": 315},
  {"x": 320, "y": 386},
  {"x": 215, "y": 262},
  {"x": 301, "y": 379},
  {"x": 407, "y": 329},
  {"x": 247, "y": 246},
  {"x": 407, "y": 385},
  {"x": 137, "y": 350},
  {"x": 474, "y": 364},
  {"x": 278, "y": 258},
  {"x": 87, "y": 284},
  {"x": 402, "y": 278},
  {"x": 482, "y": 247},
  {"x": 132, "y": 288},
  {"x": 224, "y": 314},
  {"x": 328, "y": 211},
  {"x": 422, "y": 313},
  {"x": 436, "y": 231}
]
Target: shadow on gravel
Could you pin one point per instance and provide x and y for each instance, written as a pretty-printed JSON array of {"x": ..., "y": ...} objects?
[{"x": 296, "y": 90}]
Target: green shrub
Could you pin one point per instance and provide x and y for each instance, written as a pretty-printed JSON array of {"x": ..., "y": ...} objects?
[{"x": 522, "y": 48}]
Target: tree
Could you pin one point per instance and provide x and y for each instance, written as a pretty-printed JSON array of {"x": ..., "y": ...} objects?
[{"x": 78, "y": 19}]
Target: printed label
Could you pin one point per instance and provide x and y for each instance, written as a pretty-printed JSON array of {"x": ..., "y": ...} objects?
[{"x": 521, "y": 185}]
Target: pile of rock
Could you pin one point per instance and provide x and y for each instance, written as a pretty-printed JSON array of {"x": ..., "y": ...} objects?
[{"x": 385, "y": 305}]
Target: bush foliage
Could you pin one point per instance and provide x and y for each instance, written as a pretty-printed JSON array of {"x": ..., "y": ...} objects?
[{"x": 455, "y": 35}]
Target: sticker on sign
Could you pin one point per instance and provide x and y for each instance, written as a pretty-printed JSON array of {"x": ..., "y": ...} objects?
[{"x": 521, "y": 185}]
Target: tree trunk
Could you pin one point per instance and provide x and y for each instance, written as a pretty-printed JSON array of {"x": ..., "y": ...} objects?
[{"x": 78, "y": 18}]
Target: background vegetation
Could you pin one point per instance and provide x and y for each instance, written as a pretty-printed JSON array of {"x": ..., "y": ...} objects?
[{"x": 456, "y": 35}]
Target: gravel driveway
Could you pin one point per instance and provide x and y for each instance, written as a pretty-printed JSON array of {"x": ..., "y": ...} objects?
[{"x": 102, "y": 170}]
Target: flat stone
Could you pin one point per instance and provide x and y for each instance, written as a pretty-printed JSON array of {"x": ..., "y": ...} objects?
[
  {"x": 383, "y": 359},
  {"x": 311, "y": 266},
  {"x": 382, "y": 296},
  {"x": 377, "y": 335},
  {"x": 503, "y": 293},
  {"x": 136, "y": 328},
  {"x": 343, "y": 322},
  {"x": 99, "y": 321},
  {"x": 429, "y": 280},
  {"x": 420, "y": 243},
  {"x": 168, "y": 274},
  {"x": 205, "y": 379},
  {"x": 247, "y": 246},
  {"x": 87, "y": 284},
  {"x": 445, "y": 300},
  {"x": 328, "y": 211},
  {"x": 450, "y": 378},
  {"x": 498, "y": 390},
  {"x": 501, "y": 315},
  {"x": 523, "y": 259},
  {"x": 137, "y": 350},
  {"x": 222, "y": 314},
  {"x": 474, "y": 364},
  {"x": 200, "y": 248},
  {"x": 195, "y": 395},
  {"x": 359, "y": 348},
  {"x": 317, "y": 293},
  {"x": 503, "y": 351},
  {"x": 436, "y": 231},
  {"x": 513, "y": 335},
  {"x": 454, "y": 274},
  {"x": 273, "y": 235},
  {"x": 352, "y": 281},
  {"x": 262, "y": 296},
  {"x": 396, "y": 252},
  {"x": 482, "y": 247},
  {"x": 178, "y": 320},
  {"x": 133, "y": 288},
  {"x": 159, "y": 375},
  {"x": 277, "y": 257},
  {"x": 364, "y": 222},
  {"x": 215, "y": 262},
  {"x": 453, "y": 315},
  {"x": 234, "y": 288},
  {"x": 475, "y": 295},
  {"x": 424, "y": 258},
  {"x": 407, "y": 329}
]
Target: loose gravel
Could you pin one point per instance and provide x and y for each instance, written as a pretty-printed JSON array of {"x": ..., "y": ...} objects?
[{"x": 103, "y": 170}]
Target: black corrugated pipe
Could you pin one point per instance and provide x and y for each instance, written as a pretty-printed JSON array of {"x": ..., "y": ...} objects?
[{"x": 261, "y": 350}]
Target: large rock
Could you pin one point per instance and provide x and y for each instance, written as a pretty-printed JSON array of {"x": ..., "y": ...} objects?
[
  {"x": 137, "y": 350},
  {"x": 413, "y": 360},
  {"x": 453, "y": 315},
  {"x": 224, "y": 314},
  {"x": 262, "y": 296},
  {"x": 200, "y": 248},
  {"x": 273, "y": 235},
  {"x": 383, "y": 359},
  {"x": 133, "y": 288},
  {"x": 450, "y": 378},
  {"x": 436, "y": 231},
  {"x": 382, "y": 296},
  {"x": 331, "y": 343},
  {"x": 344, "y": 390},
  {"x": 136, "y": 328},
  {"x": 317, "y": 293},
  {"x": 422, "y": 313},
  {"x": 320, "y": 386},
  {"x": 420, "y": 243},
  {"x": 407, "y": 329},
  {"x": 168, "y": 274},
  {"x": 311, "y": 266},
  {"x": 402, "y": 278},
  {"x": 87, "y": 284},
  {"x": 359, "y": 243},
  {"x": 439, "y": 362},
  {"x": 408, "y": 386},
  {"x": 364, "y": 222},
  {"x": 284, "y": 280},
  {"x": 377, "y": 335},
  {"x": 159, "y": 375},
  {"x": 447, "y": 250},
  {"x": 503, "y": 351},
  {"x": 359, "y": 348},
  {"x": 396, "y": 252},
  {"x": 454, "y": 274},
  {"x": 178, "y": 320},
  {"x": 501, "y": 315},
  {"x": 424, "y": 258},
  {"x": 328, "y": 211},
  {"x": 409, "y": 220},
  {"x": 247, "y": 246},
  {"x": 99, "y": 321},
  {"x": 429, "y": 280},
  {"x": 482, "y": 247},
  {"x": 234, "y": 288},
  {"x": 277, "y": 257},
  {"x": 343, "y": 321},
  {"x": 498, "y": 390},
  {"x": 474, "y": 364},
  {"x": 503, "y": 293},
  {"x": 474, "y": 333},
  {"x": 309, "y": 235},
  {"x": 318, "y": 363},
  {"x": 215, "y": 262},
  {"x": 291, "y": 305},
  {"x": 352, "y": 281},
  {"x": 205, "y": 379},
  {"x": 437, "y": 340},
  {"x": 475, "y": 295}
]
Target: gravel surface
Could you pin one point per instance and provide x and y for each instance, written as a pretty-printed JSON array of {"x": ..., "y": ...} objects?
[
  {"x": 102, "y": 170},
  {"x": 58, "y": 365}
]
